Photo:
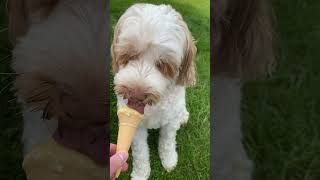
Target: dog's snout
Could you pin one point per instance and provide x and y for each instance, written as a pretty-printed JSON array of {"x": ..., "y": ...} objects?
[
  {"x": 137, "y": 94},
  {"x": 133, "y": 93}
]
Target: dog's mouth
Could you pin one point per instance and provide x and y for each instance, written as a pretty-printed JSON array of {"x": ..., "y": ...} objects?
[
  {"x": 137, "y": 98},
  {"x": 137, "y": 105}
]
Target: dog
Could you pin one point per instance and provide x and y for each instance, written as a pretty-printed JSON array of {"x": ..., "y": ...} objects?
[
  {"x": 153, "y": 55},
  {"x": 242, "y": 47},
  {"x": 60, "y": 58}
]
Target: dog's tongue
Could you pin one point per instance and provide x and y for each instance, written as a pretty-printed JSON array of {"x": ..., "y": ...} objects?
[{"x": 136, "y": 105}]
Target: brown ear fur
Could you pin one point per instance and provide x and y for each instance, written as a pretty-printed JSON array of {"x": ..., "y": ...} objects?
[
  {"x": 22, "y": 12},
  {"x": 18, "y": 22},
  {"x": 115, "y": 66},
  {"x": 187, "y": 70},
  {"x": 246, "y": 48},
  {"x": 40, "y": 93}
]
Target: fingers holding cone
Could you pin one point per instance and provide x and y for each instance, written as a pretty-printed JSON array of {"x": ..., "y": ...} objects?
[{"x": 118, "y": 161}]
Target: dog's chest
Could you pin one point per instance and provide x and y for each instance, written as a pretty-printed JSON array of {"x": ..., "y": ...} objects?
[{"x": 160, "y": 115}]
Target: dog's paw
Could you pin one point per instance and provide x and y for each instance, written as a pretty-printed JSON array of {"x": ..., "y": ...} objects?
[
  {"x": 136, "y": 177},
  {"x": 140, "y": 172},
  {"x": 169, "y": 159},
  {"x": 184, "y": 119}
]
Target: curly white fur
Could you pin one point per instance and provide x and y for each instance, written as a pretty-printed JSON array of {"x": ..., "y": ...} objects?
[{"x": 156, "y": 32}]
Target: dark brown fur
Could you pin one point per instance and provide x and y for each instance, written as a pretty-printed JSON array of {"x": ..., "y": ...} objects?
[
  {"x": 243, "y": 38},
  {"x": 21, "y": 12},
  {"x": 187, "y": 70},
  {"x": 83, "y": 98},
  {"x": 167, "y": 67},
  {"x": 122, "y": 54},
  {"x": 146, "y": 95}
]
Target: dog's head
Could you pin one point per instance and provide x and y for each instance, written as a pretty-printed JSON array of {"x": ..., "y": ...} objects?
[
  {"x": 152, "y": 50},
  {"x": 60, "y": 58},
  {"x": 242, "y": 38}
]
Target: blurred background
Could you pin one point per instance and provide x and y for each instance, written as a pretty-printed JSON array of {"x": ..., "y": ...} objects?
[{"x": 281, "y": 115}]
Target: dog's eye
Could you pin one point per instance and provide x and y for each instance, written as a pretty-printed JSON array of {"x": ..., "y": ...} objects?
[
  {"x": 123, "y": 59},
  {"x": 166, "y": 68}
]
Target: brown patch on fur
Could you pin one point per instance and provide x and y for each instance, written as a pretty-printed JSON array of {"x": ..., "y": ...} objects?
[
  {"x": 40, "y": 5},
  {"x": 187, "y": 70},
  {"x": 114, "y": 64},
  {"x": 152, "y": 98},
  {"x": 18, "y": 23},
  {"x": 122, "y": 90},
  {"x": 40, "y": 93},
  {"x": 76, "y": 106},
  {"x": 149, "y": 97},
  {"x": 246, "y": 39},
  {"x": 167, "y": 67},
  {"x": 22, "y": 12},
  {"x": 122, "y": 53}
]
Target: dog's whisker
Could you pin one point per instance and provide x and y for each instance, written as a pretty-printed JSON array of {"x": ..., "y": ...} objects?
[
  {"x": 3, "y": 29},
  {"x": 7, "y": 78},
  {"x": 8, "y": 73},
  {"x": 13, "y": 100},
  {"x": 6, "y": 87},
  {"x": 5, "y": 58}
]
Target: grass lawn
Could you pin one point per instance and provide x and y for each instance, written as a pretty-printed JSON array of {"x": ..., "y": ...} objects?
[
  {"x": 193, "y": 142},
  {"x": 282, "y": 114}
]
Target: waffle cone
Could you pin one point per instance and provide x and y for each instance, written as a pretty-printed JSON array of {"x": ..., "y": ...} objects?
[
  {"x": 51, "y": 161},
  {"x": 129, "y": 120}
]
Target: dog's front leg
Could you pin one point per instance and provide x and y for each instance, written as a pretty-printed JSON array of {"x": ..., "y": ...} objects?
[
  {"x": 140, "y": 153},
  {"x": 167, "y": 147}
]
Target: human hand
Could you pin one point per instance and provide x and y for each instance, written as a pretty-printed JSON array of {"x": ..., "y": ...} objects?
[{"x": 117, "y": 161}]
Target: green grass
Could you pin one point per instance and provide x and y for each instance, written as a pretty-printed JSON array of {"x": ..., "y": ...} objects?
[
  {"x": 10, "y": 116},
  {"x": 281, "y": 114},
  {"x": 193, "y": 142}
]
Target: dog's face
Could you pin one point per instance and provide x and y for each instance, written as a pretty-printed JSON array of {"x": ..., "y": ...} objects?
[
  {"x": 152, "y": 50},
  {"x": 60, "y": 58}
]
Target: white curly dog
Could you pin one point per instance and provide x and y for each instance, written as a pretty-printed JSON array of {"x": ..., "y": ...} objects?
[{"x": 153, "y": 61}]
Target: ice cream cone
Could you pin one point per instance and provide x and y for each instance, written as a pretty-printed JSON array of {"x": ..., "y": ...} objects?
[
  {"x": 129, "y": 120},
  {"x": 51, "y": 161}
]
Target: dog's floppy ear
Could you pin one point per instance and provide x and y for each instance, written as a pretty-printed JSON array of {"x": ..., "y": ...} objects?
[
  {"x": 246, "y": 46},
  {"x": 115, "y": 65},
  {"x": 41, "y": 93},
  {"x": 23, "y": 12},
  {"x": 187, "y": 70},
  {"x": 18, "y": 22}
]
